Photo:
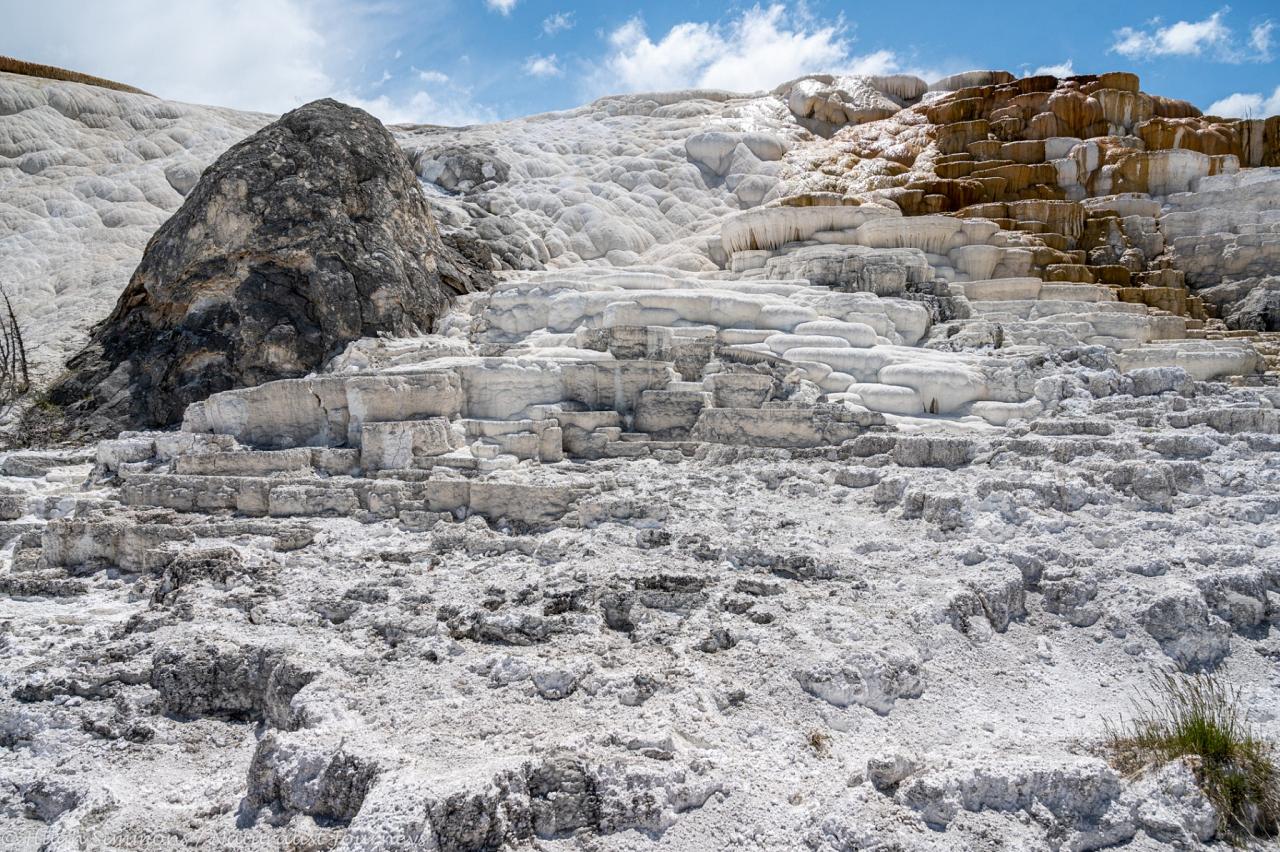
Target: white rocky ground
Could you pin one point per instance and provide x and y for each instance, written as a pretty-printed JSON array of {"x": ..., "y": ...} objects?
[
  {"x": 714, "y": 646},
  {"x": 678, "y": 545}
]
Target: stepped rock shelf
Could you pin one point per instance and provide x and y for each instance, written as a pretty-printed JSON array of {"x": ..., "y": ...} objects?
[{"x": 819, "y": 469}]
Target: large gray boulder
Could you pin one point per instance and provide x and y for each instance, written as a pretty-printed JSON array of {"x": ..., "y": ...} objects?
[{"x": 309, "y": 234}]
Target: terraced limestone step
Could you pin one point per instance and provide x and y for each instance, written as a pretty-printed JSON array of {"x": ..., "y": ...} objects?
[{"x": 282, "y": 497}]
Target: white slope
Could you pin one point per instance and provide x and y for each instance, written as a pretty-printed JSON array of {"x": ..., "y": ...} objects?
[
  {"x": 86, "y": 177},
  {"x": 625, "y": 179}
]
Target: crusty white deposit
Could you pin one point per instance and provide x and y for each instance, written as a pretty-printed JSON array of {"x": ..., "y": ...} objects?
[
  {"x": 718, "y": 535},
  {"x": 722, "y": 643}
]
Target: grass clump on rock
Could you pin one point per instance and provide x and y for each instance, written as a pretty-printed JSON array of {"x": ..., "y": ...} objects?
[{"x": 1198, "y": 717}]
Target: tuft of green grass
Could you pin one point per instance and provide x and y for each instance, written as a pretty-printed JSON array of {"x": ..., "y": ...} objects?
[{"x": 1201, "y": 717}]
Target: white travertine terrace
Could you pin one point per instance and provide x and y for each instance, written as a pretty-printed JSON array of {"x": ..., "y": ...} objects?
[
  {"x": 565, "y": 362},
  {"x": 744, "y": 512},
  {"x": 826, "y": 102}
]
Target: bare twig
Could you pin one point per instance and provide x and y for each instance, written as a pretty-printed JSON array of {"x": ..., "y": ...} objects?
[{"x": 15, "y": 372}]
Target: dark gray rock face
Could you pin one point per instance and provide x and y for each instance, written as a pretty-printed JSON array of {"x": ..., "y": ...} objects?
[
  {"x": 309, "y": 234},
  {"x": 1247, "y": 303},
  {"x": 1259, "y": 310}
]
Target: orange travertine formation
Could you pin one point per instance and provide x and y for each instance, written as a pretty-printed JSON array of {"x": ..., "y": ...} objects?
[{"x": 1070, "y": 165}]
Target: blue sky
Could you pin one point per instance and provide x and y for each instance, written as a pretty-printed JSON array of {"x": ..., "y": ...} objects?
[{"x": 458, "y": 61}]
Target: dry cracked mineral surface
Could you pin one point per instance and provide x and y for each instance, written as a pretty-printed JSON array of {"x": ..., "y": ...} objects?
[{"x": 810, "y": 469}]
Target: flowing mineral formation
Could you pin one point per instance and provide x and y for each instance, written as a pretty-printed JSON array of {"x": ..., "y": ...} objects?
[{"x": 821, "y": 468}]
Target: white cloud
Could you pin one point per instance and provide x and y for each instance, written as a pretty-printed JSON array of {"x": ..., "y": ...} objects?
[
  {"x": 557, "y": 23},
  {"x": 1062, "y": 69},
  {"x": 543, "y": 66},
  {"x": 676, "y": 61},
  {"x": 761, "y": 48},
  {"x": 1211, "y": 37},
  {"x": 453, "y": 107},
  {"x": 432, "y": 76},
  {"x": 446, "y": 102},
  {"x": 1182, "y": 38},
  {"x": 266, "y": 55},
  {"x": 503, "y": 7},
  {"x": 879, "y": 62},
  {"x": 1260, "y": 38},
  {"x": 1247, "y": 105}
]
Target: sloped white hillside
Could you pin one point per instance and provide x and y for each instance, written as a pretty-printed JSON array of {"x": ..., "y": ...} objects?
[{"x": 86, "y": 177}]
